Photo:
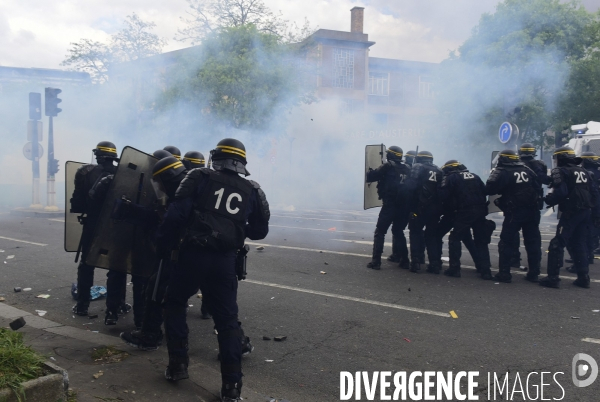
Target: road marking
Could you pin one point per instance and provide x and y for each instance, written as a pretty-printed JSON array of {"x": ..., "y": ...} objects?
[
  {"x": 369, "y": 243},
  {"x": 56, "y": 220},
  {"x": 591, "y": 340},
  {"x": 23, "y": 241},
  {"x": 321, "y": 230},
  {"x": 308, "y": 249},
  {"x": 321, "y": 219},
  {"x": 356, "y": 299},
  {"x": 549, "y": 212}
]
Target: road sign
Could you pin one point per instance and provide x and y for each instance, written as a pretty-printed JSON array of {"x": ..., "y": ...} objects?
[
  {"x": 505, "y": 132},
  {"x": 28, "y": 148}
]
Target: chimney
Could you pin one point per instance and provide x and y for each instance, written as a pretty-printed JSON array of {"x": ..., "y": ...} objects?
[{"x": 356, "y": 21}]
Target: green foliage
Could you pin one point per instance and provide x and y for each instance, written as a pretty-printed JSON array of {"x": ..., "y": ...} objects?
[
  {"x": 18, "y": 363},
  {"x": 517, "y": 66},
  {"x": 240, "y": 76}
]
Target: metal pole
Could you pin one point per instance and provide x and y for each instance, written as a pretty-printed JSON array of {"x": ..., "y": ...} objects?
[
  {"x": 51, "y": 193},
  {"x": 35, "y": 166}
]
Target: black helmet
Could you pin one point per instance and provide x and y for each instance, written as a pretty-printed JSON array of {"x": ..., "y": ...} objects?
[
  {"x": 174, "y": 151},
  {"x": 452, "y": 165},
  {"x": 193, "y": 160},
  {"x": 508, "y": 157},
  {"x": 527, "y": 149},
  {"x": 161, "y": 153},
  {"x": 590, "y": 160},
  {"x": 230, "y": 154},
  {"x": 424, "y": 157},
  {"x": 565, "y": 155},
  {"x": 410, "y": 157},
  {"x": 167, "y": 173},
  {"x": 106, "y": 149},
  {"x": 394, "y": 153}
]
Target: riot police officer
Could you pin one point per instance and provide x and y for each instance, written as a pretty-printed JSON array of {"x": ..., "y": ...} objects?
[
  {"x": 393, "y": 191},
  {"x": 216, "y": 210},
  {"x": 173, "y": 150},
  {"x": 161, "y": 153},
  {"x": 193, "y": 159},
  {"x": 410, "y": 157},
  {"x": 591, "y": 163},
  {"x": 517, "y": 184},
  {"x": 90, "y": 188},
  {"x": 466, "y": 192},
  {"x": 425, "y": 213},
  {"x": 572, "y": 190}
]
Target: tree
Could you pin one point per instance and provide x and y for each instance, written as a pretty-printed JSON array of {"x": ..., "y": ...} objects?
[
  {"x": 514, "y": 66},
  {"x": 206, "y": 17},
  {"x": 134, "y": 41},
  {"x": 241, "y": 77}
]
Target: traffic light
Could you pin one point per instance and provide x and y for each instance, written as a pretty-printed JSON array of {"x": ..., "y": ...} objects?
[
  {"x": 52, "y": 101},
  {"x": 561, "y": 139},
  {"x": 52, "y": 166},
  {"x": 35, "y": 106}
]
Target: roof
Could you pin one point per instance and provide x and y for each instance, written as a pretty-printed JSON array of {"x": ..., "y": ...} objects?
[{"x": 47, "y": 75}]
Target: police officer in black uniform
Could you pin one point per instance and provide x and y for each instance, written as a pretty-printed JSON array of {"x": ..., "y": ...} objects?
[
  {"x": 410, "y": 157},
  {"x": 161, "y": 153},
  {"x": 213, "y": 212},
  {"x": 393, "y": 191},
  {"x": 520, "y": 192},
  {"x": 466, "y": 191},
  {"x": 193, "y": 159},
  {"x": 91, "y": 183},
  {"x": 572, "y": 189},
  {"x": 591, "y": 163},
  {"x": 173, "y": 150},
  {"x": 425, "y": 213}
]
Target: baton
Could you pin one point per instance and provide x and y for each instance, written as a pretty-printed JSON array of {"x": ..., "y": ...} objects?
[{"x": 157, "y": 280}]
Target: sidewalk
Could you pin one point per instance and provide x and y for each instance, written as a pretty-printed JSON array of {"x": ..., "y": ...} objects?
[{"x": 137, "y": 377}]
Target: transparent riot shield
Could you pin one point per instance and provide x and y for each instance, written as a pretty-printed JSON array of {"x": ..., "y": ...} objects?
[
  {"x": 119, "y": 245},
  {"x": 374, "y": 155},
  {"x": 73, "y": 229},
  {"x": 492, "y": 207}
]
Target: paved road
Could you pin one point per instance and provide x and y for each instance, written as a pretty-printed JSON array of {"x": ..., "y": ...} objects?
[{"x": 348, "y": 318}]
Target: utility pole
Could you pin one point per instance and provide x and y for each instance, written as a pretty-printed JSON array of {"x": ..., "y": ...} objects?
[
  {"x": 32, "y": 148},
  {"x": 52, "y": 110}
]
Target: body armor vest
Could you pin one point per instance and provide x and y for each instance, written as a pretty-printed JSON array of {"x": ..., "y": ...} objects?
[
  {"x": 578, "y": 180},
  {"x": 522, "y": 190},
  {"x": 389, "y": 188},
  {"x": 470, "y": 192},
  {"x": 219, "y": 213},
  {"x": 429, "y": 178}
]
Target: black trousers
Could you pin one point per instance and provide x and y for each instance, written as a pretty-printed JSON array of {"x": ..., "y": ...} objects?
[
  {"x": 528, "y": 220},
  {"x": 466, "y": 220},
  {"x": 571, "y": 229},
  {"x": 425, "y": 239},
  {"x": 395, "y": 216},
  {"x": 214, "y": 273},
  {"x": 445, "y": 225}
]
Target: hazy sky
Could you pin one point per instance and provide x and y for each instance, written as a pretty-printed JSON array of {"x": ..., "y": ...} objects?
[{"x": 36, "y": 33}]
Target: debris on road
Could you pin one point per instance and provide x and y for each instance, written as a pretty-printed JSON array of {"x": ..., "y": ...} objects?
[
  {"x": 409, "y": 289},
  {"x": 266, "y": 338},
  {"x": 2, "y": 299},
  {"x": 453, "y": 314},
  {"x": 17, "y": 289},
  {"x": 280, "y": 338},
  {"x": 595, "y": 311},
  {"x": 41, "y": 313},
  {"x": 26, "y": 289},
  {"x": 92, "y": 316},
  {"x": 98, "y": 374},
  {"x": 323, "y": 272},
  {"x": 407, "y": 340},
  {"x": 269, "y": 361},
  {"x": 332, "y": 229},
  {"x": 18, "y": 323},
  {"x": 326, "y": 263},
  {"x": 260, "y": 248},
  {"x": 10, "y": 257},
  {"x": 43, "y": 296},
  {"x": 574, "y": 318},
  {"x": 321, "y": 252},
  {"x": 272, "y": 297}
]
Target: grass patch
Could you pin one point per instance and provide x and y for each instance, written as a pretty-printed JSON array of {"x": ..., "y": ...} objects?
[
  {"x": 108, "y": 354},
  {"x": 18, "y": 362}
]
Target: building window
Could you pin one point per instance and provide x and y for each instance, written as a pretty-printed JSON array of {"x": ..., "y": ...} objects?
[
  {"x": 343, "y": 68},
  {"x": 379, "y": 84},
  {"x": 425, "y": 87}
]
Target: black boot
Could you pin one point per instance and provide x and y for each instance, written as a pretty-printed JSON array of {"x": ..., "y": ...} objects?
[
  {"x": 111, "y": 318},
  {"x": 393, "y": 258},
  {"x": 453, "y": 272},
  {"x": 404, "y": 263},
  {"x": 486, "y": 274},
  {"x": 231, "y": 392},
  {"x": 378, "y": 240},
  {"x": 434, "y": 267},
  {"x": 177, "y": 368},
  {"x": 81, "y": 309},
  {"x": 415, "y": 266},
  {"x": 583, "y": 281},
  {"x": 142, "y": 340},
  {"x": 375, "y": 264},
  {"x": 503, "y": 276},
  {"x": 531, "y": 277},
  {"x": 550, "y": 282}
]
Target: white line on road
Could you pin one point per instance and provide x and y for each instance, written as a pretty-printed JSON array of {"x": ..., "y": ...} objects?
[
  {"x": 591, "y": 340},
  {"x": 321, "y": 219},
  {"x": 369, "y": 243},
  {"x": 321, "y": 230},
  {"x": 308, "y": 249},
  {"x": 56, "y": 220},
  {"x": 549, "y": 212},
  {"x": 356, "y": 299},
  {"x": 23, "y": 241}
]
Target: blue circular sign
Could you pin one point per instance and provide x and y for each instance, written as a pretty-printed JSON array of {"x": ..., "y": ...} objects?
[{"x": 505, "y": 132}]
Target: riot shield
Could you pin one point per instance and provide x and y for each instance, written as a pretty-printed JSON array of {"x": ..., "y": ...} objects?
[
  {"x": 73, "y": 229},
  {"x": 119, "y": 245},
  {"x": 492, "y": 207},
  {"x": 374, "y": 155}
]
